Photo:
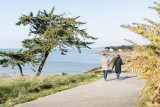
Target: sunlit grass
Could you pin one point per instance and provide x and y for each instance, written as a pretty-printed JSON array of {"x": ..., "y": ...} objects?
[{"x": 16, "y": 90}]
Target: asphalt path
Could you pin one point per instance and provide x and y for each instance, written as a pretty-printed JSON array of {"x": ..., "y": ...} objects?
[{"x": 110, "y": 93}]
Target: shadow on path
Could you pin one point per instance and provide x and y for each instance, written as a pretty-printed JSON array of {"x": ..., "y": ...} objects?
[
  {"x": 111, "y": 79},
  {"x": 122, "y": 78},
  {"x": 126, "y": 77}
]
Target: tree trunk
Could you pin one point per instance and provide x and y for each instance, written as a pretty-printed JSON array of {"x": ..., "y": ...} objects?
[
  {"x": 42, "y": 64},
  {"x": 20, "y": 68}
]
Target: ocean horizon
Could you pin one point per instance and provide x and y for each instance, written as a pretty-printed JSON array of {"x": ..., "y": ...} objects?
[{"x": 71, "y": 63}]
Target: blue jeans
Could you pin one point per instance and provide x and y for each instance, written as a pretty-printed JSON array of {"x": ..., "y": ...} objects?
[
  {"x": 105, "y": 74},
  {"x": 117, "y": 74}
]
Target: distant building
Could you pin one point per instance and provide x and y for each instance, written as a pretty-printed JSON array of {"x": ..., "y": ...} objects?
[
  {"x": 111, "y": 49},
  {"x": 120, "y": 50}
]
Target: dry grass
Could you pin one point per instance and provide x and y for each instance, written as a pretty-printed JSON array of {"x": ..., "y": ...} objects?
[{"x": 16, "y": 90}]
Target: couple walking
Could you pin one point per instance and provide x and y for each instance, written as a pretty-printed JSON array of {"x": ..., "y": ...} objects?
[{"x": 105, "y": 65}]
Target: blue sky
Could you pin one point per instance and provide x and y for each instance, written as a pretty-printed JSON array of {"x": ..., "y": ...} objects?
[{"x": 103, "y": 18}]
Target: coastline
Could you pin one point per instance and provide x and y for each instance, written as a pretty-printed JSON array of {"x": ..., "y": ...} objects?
[
  {"x": 71, "y": 63},
  {"x": 124, "y": 54}
]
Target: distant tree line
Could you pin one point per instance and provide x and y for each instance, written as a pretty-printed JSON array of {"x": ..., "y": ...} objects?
[{"x": 123, "y": 47}]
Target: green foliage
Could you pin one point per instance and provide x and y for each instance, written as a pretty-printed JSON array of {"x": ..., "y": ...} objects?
[
  {"x": 17, "y": 58},
  {"x": 30, "y": 88},
  {"x": 150, "y": 58},
  {"x": 123, "y": 47},
  {"x": 145, "y": 99},
  {"x": 53, "y": 31}
]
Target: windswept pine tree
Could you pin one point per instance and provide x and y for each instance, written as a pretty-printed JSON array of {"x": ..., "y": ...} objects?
[
  {"x": 150, "y": 58},
  {"x": 52, "y": 31},
  {"x": 19, "y": 59}
]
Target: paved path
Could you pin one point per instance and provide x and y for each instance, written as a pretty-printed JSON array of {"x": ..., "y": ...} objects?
[{"x": 111, "y": 93}]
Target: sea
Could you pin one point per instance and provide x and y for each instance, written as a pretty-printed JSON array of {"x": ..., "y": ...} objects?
[{"x": 71, "y": 63}]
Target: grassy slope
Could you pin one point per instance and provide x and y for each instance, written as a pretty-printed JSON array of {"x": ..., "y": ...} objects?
[{"x": 23, "y": 89}]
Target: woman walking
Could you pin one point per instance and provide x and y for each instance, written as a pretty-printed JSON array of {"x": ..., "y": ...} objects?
[
  {"x": 117, "y": 64},
  {"x": 105, "y": 65}
]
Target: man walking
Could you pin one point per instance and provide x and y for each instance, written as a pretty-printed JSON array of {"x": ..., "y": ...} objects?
[
  {"x": 105, "y": 65},
  {"x": 117, "y": 64}
]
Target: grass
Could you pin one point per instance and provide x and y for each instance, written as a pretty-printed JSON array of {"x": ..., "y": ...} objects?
[
  {"x": 17, "y": 90},
  {"x": 145, "y": 99}
]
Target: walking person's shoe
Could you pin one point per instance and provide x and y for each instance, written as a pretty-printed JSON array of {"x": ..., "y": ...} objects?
[{"x": 118, "y": 78}]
